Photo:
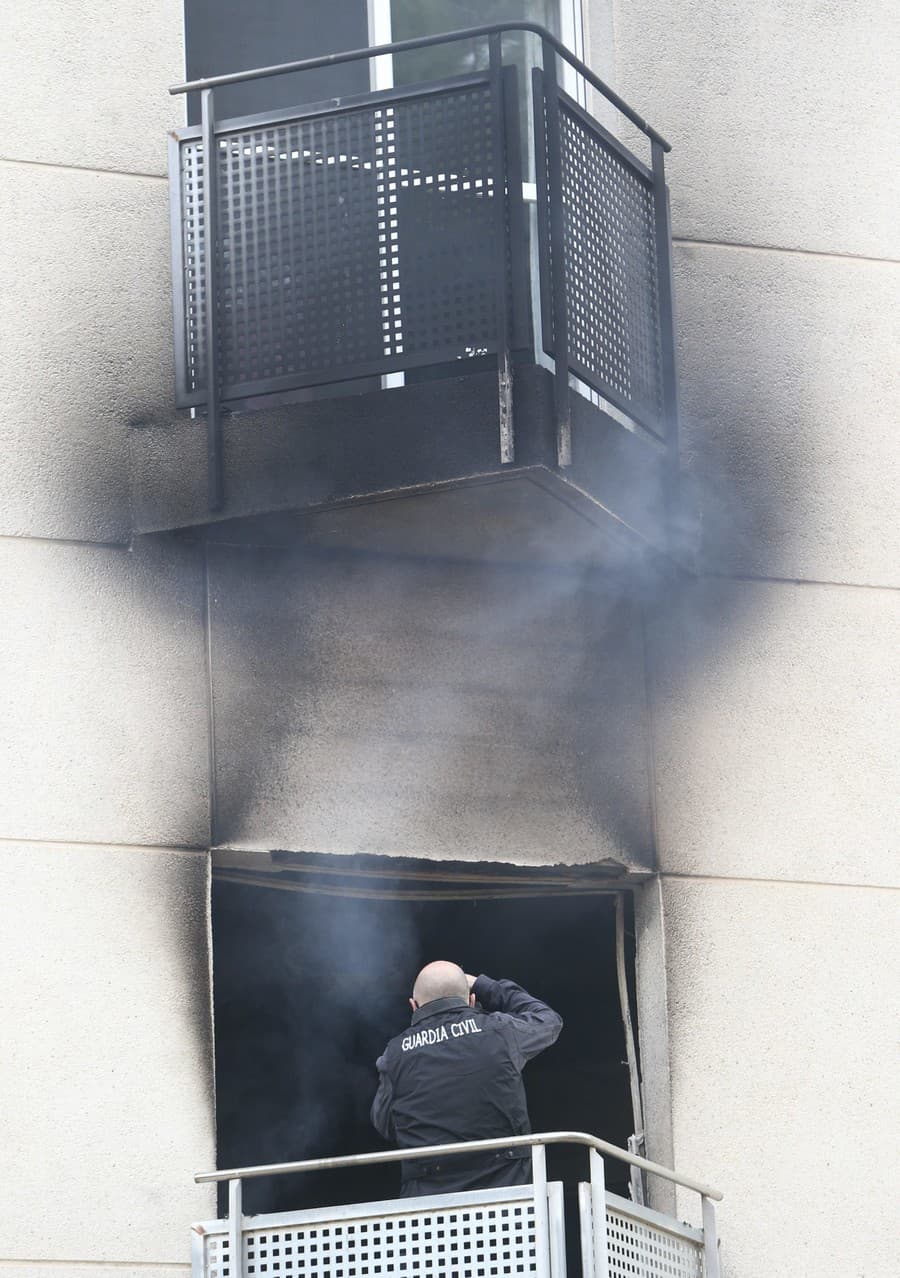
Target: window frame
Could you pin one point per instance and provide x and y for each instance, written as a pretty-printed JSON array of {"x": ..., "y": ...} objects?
[{"x": 571, "y": 26}]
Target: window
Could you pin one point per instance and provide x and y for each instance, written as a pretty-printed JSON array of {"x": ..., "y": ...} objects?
[
  {"x": 230, "y": 35},
  {"x": 312, "y": 966},
  {"x": 405, "y": 19}
]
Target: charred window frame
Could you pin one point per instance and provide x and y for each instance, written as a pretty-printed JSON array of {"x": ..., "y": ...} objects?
[{"x": 298, "y": 902}]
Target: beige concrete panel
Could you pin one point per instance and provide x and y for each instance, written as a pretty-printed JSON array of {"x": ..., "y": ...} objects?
[
  {"x": 107, "y": 1087},
  {"x": 425, "y": 707},
  {"x": 783, "y": 1037},
  {"x": 653, "y": 1032},
  {"x": 85, "y": 327},
  {"x": 775, "y": 711},
  {"x": 87, "y": 85},
  {"x": 782, "y": 118},
  {"x": 790, "y": 400},
  {"x": 72, "y": 1269},
  {"x": 102, "y": 694}
]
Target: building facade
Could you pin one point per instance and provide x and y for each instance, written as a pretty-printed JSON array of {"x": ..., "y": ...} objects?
[{"x": 459, "y": 677}]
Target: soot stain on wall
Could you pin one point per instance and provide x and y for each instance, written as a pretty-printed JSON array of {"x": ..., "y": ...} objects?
[{"x": 405, "y": 704}]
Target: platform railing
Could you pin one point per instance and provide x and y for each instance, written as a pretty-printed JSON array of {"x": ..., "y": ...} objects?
[
  {"x": 359, "y": 237},
  {"x": 516, "y": 1231}
]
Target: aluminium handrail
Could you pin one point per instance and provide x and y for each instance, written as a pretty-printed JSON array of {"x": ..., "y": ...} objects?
[
  {"x": 424, "y": 42},
  {"x": 471, "y": 1146}
]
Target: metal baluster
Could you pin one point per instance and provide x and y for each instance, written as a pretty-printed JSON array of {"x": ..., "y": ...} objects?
[
  {"x": 519, "y": 247},
  {"x": 504, "y": 367},
  {"x": 235, "y": 1229},
  {"x": 710, "y": 1239},
  {"x": 558, "y": 251},
  {"x": 541, "y": 1212},
  {"x": 557, "y": 1217},
  {"x": 210, "y": 252},
  {"x": 586, "y": 1229},
  {"x": 598, "y": 1212}
]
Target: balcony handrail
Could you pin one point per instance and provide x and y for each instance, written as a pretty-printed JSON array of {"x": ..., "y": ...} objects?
[
  {"x": 425, "y": 42},
  {"x": 462, "y": 1147}
]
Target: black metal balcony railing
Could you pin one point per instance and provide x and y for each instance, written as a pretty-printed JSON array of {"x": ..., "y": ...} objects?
[
  {"x": 352, "y": 242},
  {"x": 359, "y": 237}
]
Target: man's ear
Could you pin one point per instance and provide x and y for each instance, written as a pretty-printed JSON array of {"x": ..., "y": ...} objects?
[
  {"x": 471, "y": 1000},
  {"x": 414, "y": 1005}
]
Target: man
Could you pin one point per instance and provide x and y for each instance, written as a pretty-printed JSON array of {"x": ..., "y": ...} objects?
[{"x": 456, "y": 1074}]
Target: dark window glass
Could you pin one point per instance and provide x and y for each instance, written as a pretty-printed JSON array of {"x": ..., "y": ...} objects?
[
  {"x": 410, "y": 18},
  {"x": 234, "y": 35}
]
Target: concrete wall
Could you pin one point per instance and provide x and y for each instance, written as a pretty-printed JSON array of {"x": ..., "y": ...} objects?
[
  {"x": 107, "y": 1084},
  {"x": 104, "y": 694},
  {"x": 85, "y": 310},
  {"x": 107, "y": 1067},
  {"x": 413, "y": 678},
  {"x": 774, "y": 677},
  {"x": 773, "y": 736},
  {"x": 781, "y": 1037}
]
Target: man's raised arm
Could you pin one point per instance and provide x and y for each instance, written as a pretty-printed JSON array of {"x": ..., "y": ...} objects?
[{"x": 531, "y": 1024}]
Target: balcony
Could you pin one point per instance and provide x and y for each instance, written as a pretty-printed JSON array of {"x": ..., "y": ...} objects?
[
  {"x": 515, "y": 1231},
  {"x": 426, "y": 286}
]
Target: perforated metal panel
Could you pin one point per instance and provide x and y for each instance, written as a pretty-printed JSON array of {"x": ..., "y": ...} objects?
[
  {"x": 456, "y": 1236},
  {"x": 351, "y": 242},
  {"x": 610, "y": 267},
  {"x": 446, "y": 248},
  {"x": 640, "y": 1250},
  {"x": 640, "y": 1242}
]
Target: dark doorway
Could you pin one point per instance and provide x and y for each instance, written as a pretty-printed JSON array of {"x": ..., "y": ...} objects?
[{"x": 309, "y": 986}]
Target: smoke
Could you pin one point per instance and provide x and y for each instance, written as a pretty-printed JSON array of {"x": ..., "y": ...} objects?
[
  {"x": 405, "y": 702},
  {"x": 475, "y": 705},
  {"x": 444, "y": 678},
  {"x": 309, "y": 989},
  {"x": 305, "y": 991}
]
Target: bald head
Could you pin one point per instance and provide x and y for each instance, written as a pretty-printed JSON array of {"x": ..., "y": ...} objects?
[{"x": 440, "y": 980}]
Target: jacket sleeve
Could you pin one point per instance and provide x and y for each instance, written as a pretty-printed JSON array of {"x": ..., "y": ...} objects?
[
  {"x": 530, "y": 1025},
  {"x": 382, "y": 1118}
]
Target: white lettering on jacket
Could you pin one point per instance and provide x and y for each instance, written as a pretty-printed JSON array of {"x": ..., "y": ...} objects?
[{"x": 439, "y": 1035}]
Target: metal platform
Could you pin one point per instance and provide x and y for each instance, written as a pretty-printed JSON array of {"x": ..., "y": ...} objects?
[
  {"x": 486, "y": 1233},
  {"x": 341, "y": 243}
]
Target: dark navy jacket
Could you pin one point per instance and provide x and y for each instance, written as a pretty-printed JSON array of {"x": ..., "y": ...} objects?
[{"x": 456, "y": 1074}]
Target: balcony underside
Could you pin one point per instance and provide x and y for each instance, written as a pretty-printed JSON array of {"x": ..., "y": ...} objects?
[{"x": 417, "y": 440}]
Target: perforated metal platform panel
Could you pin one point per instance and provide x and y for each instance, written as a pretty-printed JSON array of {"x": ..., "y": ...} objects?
[
  {"x": 610, "y": 268},
  {"x": 352, "y": 241},
  {"x": 640, "y": 1246},
  {"x": 475, "y": 1235}
]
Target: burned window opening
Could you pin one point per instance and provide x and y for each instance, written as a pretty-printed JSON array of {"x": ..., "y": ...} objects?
[{"x": 310, "y": 984}]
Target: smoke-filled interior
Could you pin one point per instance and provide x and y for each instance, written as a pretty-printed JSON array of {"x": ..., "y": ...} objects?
[{"x": 309, "y": 987}]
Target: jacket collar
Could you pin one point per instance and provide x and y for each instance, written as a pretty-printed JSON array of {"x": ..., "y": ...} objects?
[{"x": 439, "y": 1005}]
